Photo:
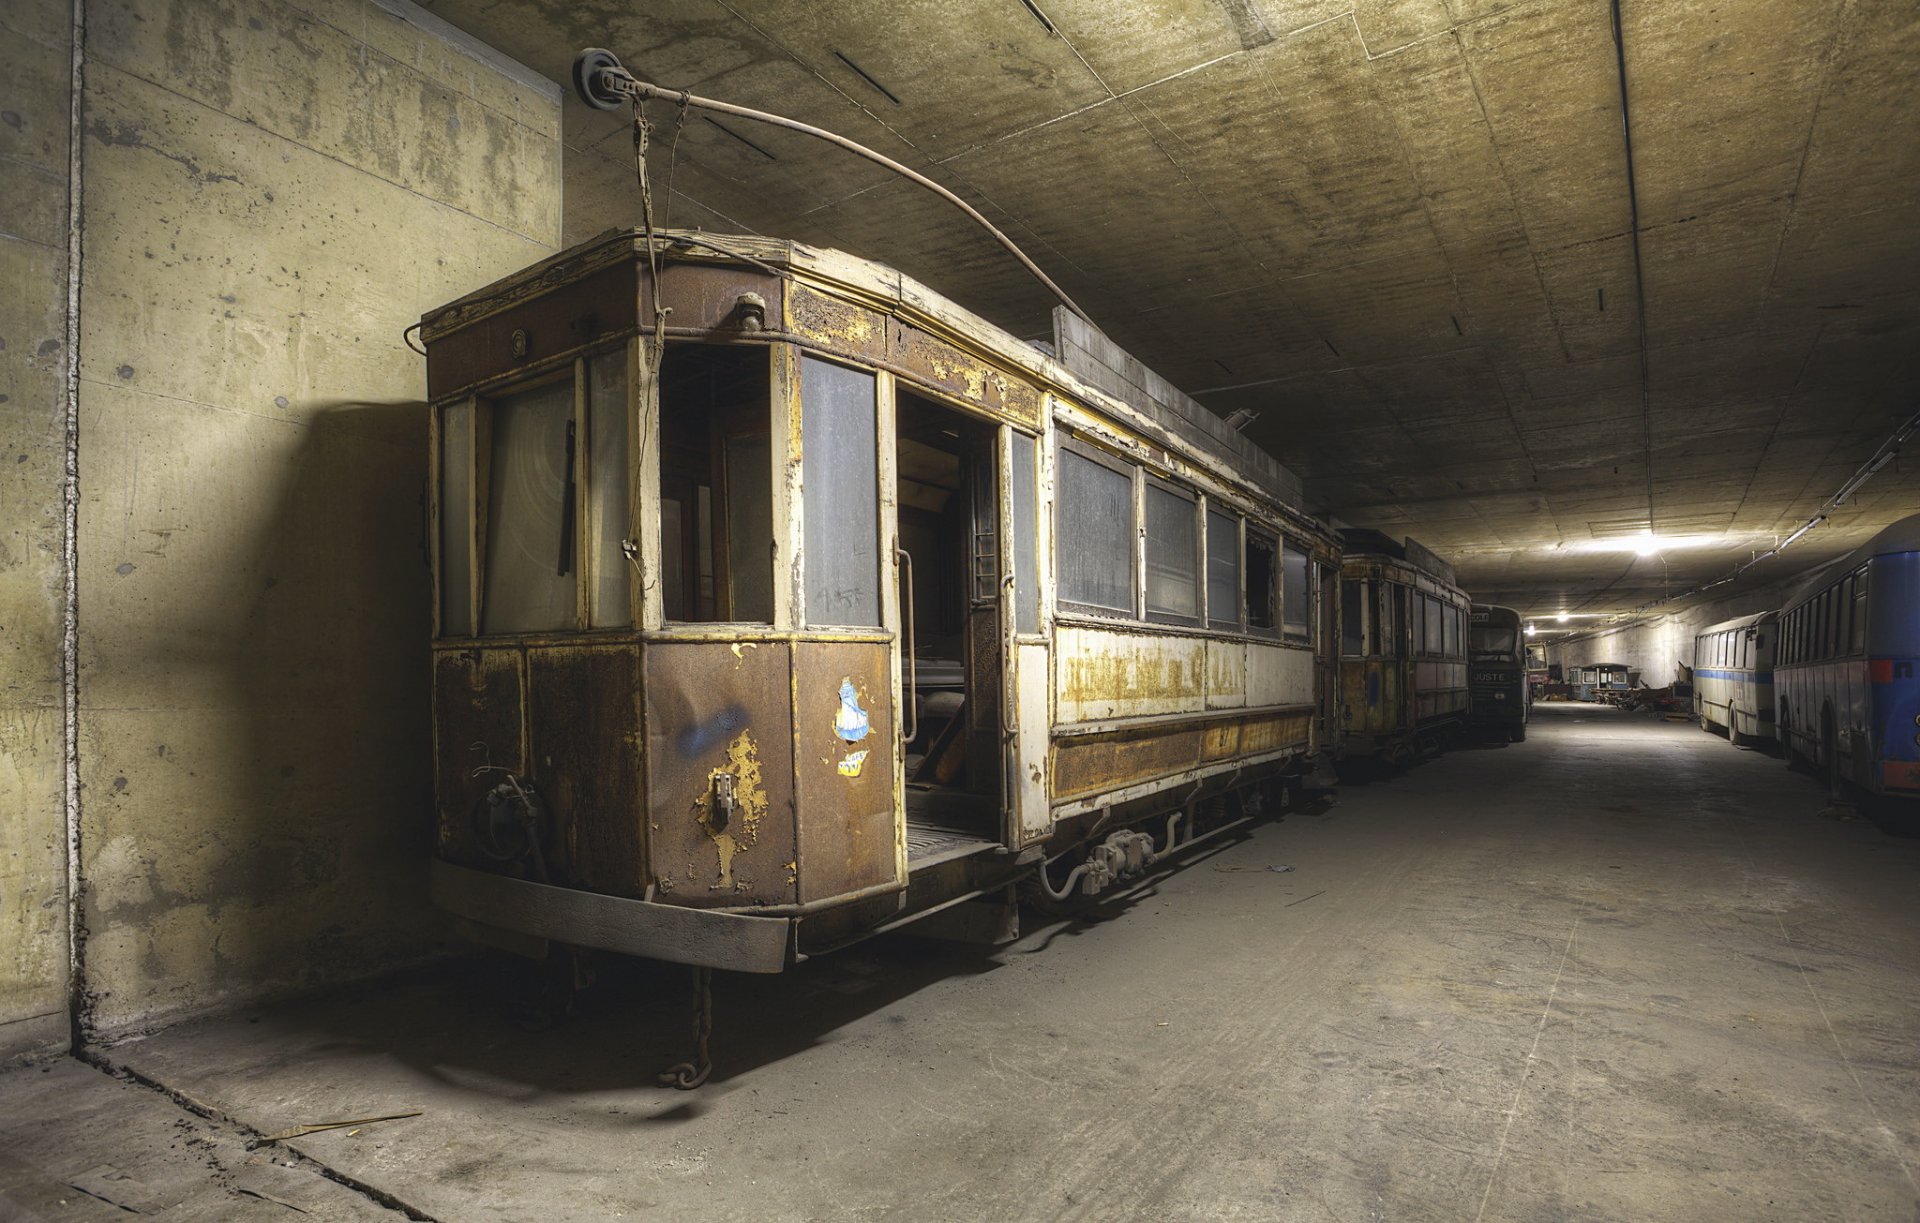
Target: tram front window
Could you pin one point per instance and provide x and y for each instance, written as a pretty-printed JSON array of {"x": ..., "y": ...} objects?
[{"x": 716, "y": 484}]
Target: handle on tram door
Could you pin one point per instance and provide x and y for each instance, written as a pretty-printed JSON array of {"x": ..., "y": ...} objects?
[
  {"x": 911, "y": 724},
  {"x": 1009, "y": 691}
]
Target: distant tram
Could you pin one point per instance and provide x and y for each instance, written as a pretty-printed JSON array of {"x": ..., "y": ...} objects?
[
  {"x": 1403, "y": 650},
  {"x": 823, "y": 606},
  {"x": 1733, "y": 678},
  {"x": 1847, "y": 701},
  {"x": 1498, "y": 684}
]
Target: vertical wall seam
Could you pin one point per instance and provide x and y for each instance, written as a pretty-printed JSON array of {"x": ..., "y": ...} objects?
[{"x": 70, "y": 506}]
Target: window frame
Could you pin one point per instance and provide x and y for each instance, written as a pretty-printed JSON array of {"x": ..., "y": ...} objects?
[
  {"x": 1148, "y": 484},
  {"x": 1248, "y": 531},
  {"x": 1066, "y": 445}
]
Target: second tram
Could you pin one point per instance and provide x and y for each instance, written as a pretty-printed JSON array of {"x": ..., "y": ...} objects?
[{"x": 1403, "y": 649}]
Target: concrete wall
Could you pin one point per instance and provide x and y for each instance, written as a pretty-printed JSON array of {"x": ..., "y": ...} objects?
[
  {"x": 1655, "y": 647},
  {"x": 271, "y": 193},
  {"x": 35, "y": 113}
]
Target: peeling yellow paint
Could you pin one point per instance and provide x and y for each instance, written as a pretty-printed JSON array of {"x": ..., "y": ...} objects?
[{"x": 750, "y": 795}]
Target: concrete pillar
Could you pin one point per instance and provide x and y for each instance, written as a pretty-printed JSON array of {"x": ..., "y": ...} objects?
[
  {"x": 272, "y": 191},
  {"x": 35, "y": 115}
]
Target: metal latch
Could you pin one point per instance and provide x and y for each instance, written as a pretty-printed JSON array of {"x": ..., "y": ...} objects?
[{"x": 720, "y": 808}]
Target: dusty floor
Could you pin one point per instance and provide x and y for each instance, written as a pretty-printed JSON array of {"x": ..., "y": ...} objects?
[{"x": 1620, "y": 971}]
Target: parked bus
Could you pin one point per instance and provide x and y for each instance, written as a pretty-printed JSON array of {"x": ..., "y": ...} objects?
[
  {"x": 1847, "y": 703},
  {"x": 1497, "y": 683},
  {"x": 1403, "y": 651},
  {"x": 1733, "y": 678}
]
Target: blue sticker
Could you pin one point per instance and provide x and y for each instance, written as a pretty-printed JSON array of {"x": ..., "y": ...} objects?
[{"x": 851, "y": 723}]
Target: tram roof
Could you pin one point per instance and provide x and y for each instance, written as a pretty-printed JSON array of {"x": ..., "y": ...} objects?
[{"x": 1082, "y": 362}]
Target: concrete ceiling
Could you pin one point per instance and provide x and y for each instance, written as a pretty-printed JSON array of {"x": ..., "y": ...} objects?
[{"x": 1397, "y": 229}]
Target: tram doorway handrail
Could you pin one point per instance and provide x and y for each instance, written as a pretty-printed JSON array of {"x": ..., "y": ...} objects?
[{"x": 911, "y": 728}]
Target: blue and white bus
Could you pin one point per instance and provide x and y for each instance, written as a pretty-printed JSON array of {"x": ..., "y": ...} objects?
[
  {"x": 1733, "y": 678},
  {"x": 1846, "y": 700}
]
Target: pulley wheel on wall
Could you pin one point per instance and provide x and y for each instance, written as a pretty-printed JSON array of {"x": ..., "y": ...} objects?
[{"x": 587, "y": 85}]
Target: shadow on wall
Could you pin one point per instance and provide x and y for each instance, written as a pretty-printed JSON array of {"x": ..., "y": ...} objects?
[{"x": 276, "y": 825}]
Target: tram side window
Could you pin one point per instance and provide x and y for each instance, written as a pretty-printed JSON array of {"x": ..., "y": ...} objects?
[
  {"x": 716, "y": 484},
  {"x": 456, "y": 520},
  {"x": 1352, "y": 595},
  {"x": 841, "y": 479},
  {"x": 1453, "y": 632},
  {"x": 1433, "y": 613},
  {"x": 1260, "y": 574},
  {"x": 1172, "y": 563},
  {"x": 1223, "y": 571},
  {"x": 529, "y": 580},
  {"x": 1385, "y": 623},
  {"x": 1296, "y": 600},
  {"x": 1095, "y": 542}
]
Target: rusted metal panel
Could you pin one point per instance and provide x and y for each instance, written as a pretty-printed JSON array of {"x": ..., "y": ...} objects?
[
  {"x": 714, "y": 707},
  {"x": 1110, "y": 673},
  {"x": 706, "y": 297},
  {"x": 1278, "y": 675},
  {"x": 477, "y": 720},
  {"x": 613, "y": 923},
  {"x": 561, "y": 318},
  {"x": 836, "y": 323},
  {"x": 1110, "y": 763},
  {"x": 583, "y": 723},
  {"x": 1257, "y": 736},
  {"x": 945, "y": 366},
  {"x": 848, "y": 820},
  {"x": 1227, "y": 674}
]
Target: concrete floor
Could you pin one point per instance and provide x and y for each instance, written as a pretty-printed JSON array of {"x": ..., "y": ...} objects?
[{"x": 1620, "y": 971}]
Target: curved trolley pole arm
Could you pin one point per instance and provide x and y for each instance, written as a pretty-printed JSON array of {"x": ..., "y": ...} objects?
[{"x": 603, "y": 83}]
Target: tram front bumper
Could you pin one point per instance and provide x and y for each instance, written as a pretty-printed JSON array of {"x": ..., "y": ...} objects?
[{"x": 612, "y": 923}]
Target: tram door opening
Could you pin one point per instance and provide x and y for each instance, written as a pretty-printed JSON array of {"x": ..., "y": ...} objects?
[{"x": 949, "y": 516}]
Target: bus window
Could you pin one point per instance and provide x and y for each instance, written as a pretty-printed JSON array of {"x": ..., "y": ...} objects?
[
  {"x": 1260, "y": 575},
  {"x": 716, "y": 483},
  {"x": 1223, "y": 571},
  {"x": 1352, "y": 626},
  {"x": 1296, "y": 600},
  {"x": 839, "y": 454},
  {"x": 1859, "y": 639}
]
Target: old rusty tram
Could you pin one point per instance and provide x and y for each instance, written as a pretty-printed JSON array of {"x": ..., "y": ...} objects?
[
  {"x": 1403, "y": 650},
  {"x": 827, "y": 606}
]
